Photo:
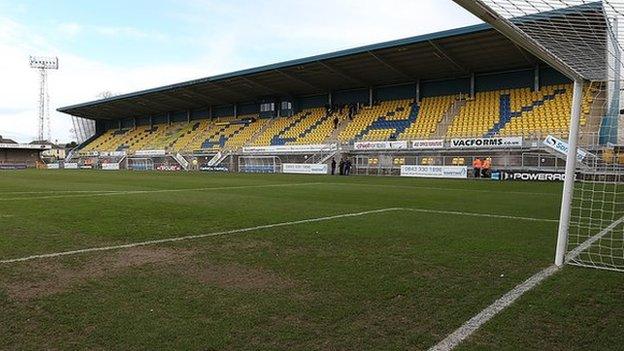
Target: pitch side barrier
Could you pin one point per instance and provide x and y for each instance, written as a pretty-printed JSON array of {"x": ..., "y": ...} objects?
[{"x": 369, "y": 157}]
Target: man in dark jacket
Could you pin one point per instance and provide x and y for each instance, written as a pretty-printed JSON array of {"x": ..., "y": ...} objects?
[
  {"x": 333, "y": 166},
  {"x": 341, "y": 167}
]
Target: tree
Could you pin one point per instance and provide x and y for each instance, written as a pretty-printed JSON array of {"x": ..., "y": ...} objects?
[{"x": 106, "y": 94}]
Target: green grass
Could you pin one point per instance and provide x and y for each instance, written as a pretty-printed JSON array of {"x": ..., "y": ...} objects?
[{"x": 393, "y": 280}]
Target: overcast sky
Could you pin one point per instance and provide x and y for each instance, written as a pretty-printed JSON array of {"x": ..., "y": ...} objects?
[{"x": 124, "y": 46}]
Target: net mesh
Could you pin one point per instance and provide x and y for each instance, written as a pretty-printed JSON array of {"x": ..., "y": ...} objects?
[{"x": 584, "y": 38}]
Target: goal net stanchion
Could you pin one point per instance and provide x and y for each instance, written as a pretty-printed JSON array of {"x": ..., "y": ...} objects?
[{"x": 580, "y": 39}]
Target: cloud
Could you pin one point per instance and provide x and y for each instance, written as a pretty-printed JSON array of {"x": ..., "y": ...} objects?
[
  {"x": 78, "y": 80},
  {"x": 70, "y": 29},
  {"x": 206, "y": 38}
]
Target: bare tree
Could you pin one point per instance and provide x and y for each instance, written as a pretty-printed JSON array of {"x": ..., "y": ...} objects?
[{"x": 106, "y": 94}]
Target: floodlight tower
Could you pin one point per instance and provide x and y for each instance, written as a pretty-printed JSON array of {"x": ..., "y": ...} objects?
[{"x": 43, "y": 64}]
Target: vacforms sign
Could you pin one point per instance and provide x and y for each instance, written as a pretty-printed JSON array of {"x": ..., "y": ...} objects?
[
  {"x": 486, "y": 143},
  {"x": 458, "y": 172}
]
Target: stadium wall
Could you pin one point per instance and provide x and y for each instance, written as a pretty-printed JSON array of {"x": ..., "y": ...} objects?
[
  {"x": 350, "y": 96},
  {"x": 505, "y": 80},
  {"x": 178, "y": 116},
  {"x": 395, "y": 92},
  {"x": 311, "y": 101},
  {"x": 445, "y": 87}
]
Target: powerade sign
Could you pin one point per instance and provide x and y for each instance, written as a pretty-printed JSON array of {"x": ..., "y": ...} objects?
[
  {"x": 486, "y": 143},
  {"x": 529, "y": 176},
  {"x": 563, "y": 147}
]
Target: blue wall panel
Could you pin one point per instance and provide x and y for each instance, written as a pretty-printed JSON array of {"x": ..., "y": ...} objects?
[
  {"x": 310, "y": 102},
  {"x": 200, "y": 114},
  {"x": 179, "y": 116},
  {"x": 445, "y": 87},
  {"x": 248, "y": 109},
  {"x": 350, "y": 96},
  {"x": 500, "y": 81},
  {"x": 550, "y": 76},
  {"x": 398, "y": 92},
  {"x": 223, "y": 111},
  {"x": 142, "y": 121},
  {"x": 127, "y": 123},
  {"x": 159, "y": 119}
]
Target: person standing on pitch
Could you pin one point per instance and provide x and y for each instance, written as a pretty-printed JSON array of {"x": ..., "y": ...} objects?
[
  {"x": 476, "y": 166},
  {"x": 341, "y": 167},
  {"x": 485, "y": 168},
  {"x": 333, "y": 166}
]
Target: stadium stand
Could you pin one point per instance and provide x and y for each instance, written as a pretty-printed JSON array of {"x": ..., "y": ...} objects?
[
  {"x": 298, "y": 104},
  {"x": 19, "y": 156},
  {"x": 511, "y": 112},
  {"x": 478, "y": 116},
  {"x": 432, "y": 111},
  {"x": 546, "y": 112},
  {"x": 518, "y": 112},
  {"x": 313, "y": 129},
  {"x": 383, "y": 121}
]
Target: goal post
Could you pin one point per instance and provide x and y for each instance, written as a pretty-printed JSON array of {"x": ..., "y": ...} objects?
[
  {"x": 580, "y": 39},
  {"x": 570, "y": 174}
]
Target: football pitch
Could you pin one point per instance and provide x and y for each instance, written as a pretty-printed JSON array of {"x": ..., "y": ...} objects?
[{"x": 152, "y": 261}]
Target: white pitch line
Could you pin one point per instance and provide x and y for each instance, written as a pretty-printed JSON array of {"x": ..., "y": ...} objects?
[
  {"x": 587, "y": 243},
  {"x": 446, "y": 189},
  {"x": 476, "y": 214},
  {"x": 55, "y": 192},
  {"x": 234, "y": 231},
  {"x": 474, "y": 323},
  {"x": 199, "y": 236},
  {"x": 133, "y": 192}
]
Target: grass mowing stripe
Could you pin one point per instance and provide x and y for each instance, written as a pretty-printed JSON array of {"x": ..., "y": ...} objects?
[
  {"x": 447, "y": 189},
  {"x": 474, "y": 323},
  {"x": 199, "y": 236},
  {"x": 266, "y": 226},
  {"x": 476, "y": 214},
  {"x": 157, "y": 191}
]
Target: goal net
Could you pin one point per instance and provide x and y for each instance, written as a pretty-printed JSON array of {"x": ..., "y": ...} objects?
[
  {"x": 259, "y": 164},
  {"x": 582, "y": 40}
]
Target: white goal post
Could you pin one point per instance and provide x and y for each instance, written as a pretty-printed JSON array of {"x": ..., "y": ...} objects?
[{"x": 581, "y": 39}]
